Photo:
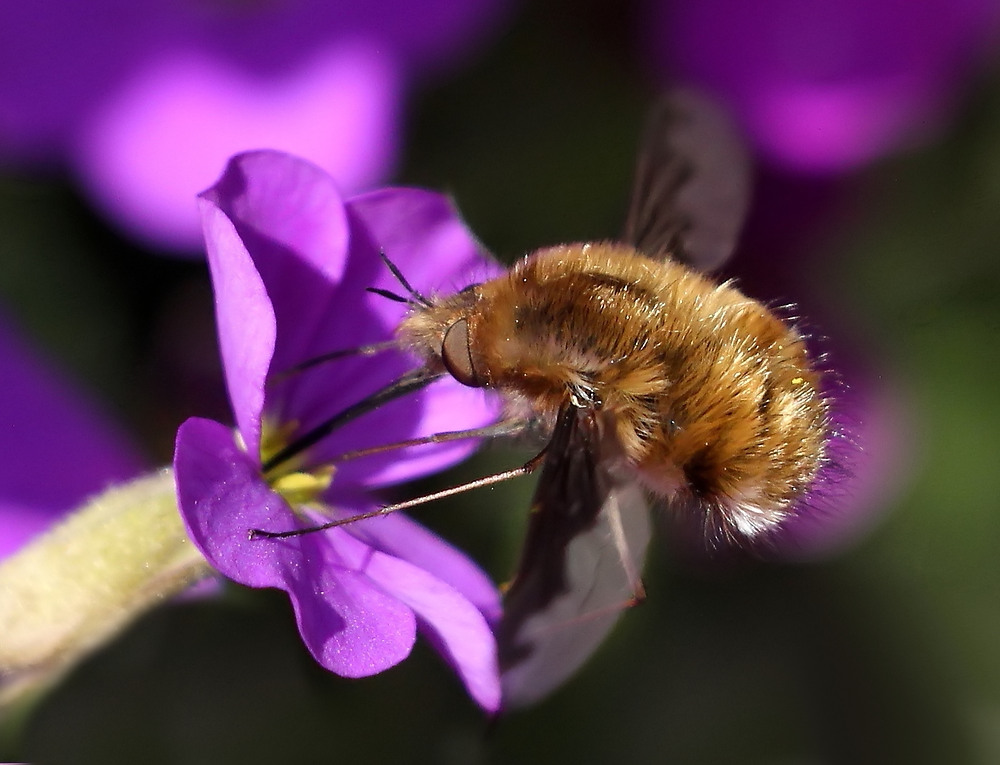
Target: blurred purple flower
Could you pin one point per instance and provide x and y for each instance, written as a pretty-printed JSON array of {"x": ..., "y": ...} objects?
[
  {"x": 871, "y": 463},
  {"x": 145, "y": 101},
  {"x": 825, "y": 85},
  {"x": 290, "y": 262},
  {"x": 794, "y": 218},
  {"x": 57, "y": 447}
]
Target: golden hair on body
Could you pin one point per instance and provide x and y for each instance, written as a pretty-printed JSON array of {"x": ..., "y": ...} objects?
[
  {"x": 711, "y": 398},
  {"x": 650, "y": 381}
]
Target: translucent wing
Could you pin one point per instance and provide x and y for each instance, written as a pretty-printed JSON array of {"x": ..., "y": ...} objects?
[
  {"x": 580, "y": 565},
  {"x": 692, "y": 183}
]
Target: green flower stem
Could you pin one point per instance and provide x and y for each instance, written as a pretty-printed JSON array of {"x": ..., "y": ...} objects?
[{"x": 78, "y": 585}]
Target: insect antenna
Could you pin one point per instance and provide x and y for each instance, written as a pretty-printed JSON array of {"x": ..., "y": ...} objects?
[
  {"x": 362, "y": 350},
  {"x": 415, "y": 296},
  {"x": 387, "y": 294}
]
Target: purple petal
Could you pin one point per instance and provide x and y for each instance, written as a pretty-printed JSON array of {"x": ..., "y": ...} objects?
[
  {"x": 286, "y": 216},
  {"x": 245, "y": 320},
  {"x": 148, "y": 151},
  {"x": 45, "y": 424},
  {"x": 457, "y": 629},
  {"x": 352, "y": 626},
  {"x": 422, "y": 232},
  {"x": 449, "y": 406},
  {"x": 287, "y": 204},
  {"x": 278, "y": 243},
  {"x": 423, "y": 235},
  {"x": 291, "y": 219},
  {"x": 400, "y": 536},
  {"x": 279, "y": 232},
  {"x": 445, "y": 406}
]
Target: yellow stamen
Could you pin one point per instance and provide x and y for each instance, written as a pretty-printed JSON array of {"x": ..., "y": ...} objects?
[{"x": 303, "y": 488}]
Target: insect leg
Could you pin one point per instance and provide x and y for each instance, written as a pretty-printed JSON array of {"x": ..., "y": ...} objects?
[
  {"x": 628, "y": 557},
  {"x": 505, "y": 428},
  {"x": 527, "y": 468}
]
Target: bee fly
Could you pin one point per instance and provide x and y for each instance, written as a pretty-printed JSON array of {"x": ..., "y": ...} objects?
[{"x": 654, "y": 383}]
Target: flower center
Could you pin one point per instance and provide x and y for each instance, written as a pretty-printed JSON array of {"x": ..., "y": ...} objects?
[
  {"x": 296, "y": 483},
  {"x": 302, "y": 488}
]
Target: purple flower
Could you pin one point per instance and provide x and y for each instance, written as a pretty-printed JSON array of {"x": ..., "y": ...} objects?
[
  {"x": 794, "y": 218},
  {"x": 290, "y": 261},
  {"x": 825, "y": 85},
  {"x": 58, "y": 448},
  {"x": 144, "y": 102},
  {"x": 871, "y": 462}
]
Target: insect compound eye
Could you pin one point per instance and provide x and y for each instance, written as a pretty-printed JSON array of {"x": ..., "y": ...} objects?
[{"x": 456, "y": 356}]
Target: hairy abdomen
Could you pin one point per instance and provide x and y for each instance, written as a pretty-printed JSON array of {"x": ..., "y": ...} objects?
[{"x": 709, "y": 394}]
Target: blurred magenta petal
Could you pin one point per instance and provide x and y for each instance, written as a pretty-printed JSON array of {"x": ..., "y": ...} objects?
[
  {"x": 60, "y": 58},
  {"x": 18, "y": 524},
  {"x": 145, "y": 101},
  {"x": 826, "y": 85},
  {"x": 872, "y": 460},
  {"x": 59, "y": 448},
  {"x": 164, "y": 137}
]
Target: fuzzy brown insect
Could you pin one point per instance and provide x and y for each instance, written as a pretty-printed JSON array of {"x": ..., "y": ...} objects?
[
  {"x": 655, "y": 383},
  {"x": 652, "y": 383},
  {"x": 710, "y": 398}
]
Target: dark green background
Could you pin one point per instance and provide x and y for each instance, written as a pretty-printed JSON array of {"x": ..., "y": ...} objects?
[{"x": 889, "y": 652}]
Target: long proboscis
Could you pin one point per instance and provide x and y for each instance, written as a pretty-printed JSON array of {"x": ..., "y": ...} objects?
[
  {"x": 527, "y": 468},
  {"x": 411, "y": 381},
  {"x": 503, "y": 428}
]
